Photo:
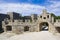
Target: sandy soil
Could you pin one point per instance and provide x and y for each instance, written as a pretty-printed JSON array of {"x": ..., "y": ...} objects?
[{"x": 44, "y": 35}]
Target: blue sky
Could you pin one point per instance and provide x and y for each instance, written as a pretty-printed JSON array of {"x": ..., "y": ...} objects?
[
  {"x": 36, "y": 2},
  {"x": 27, "y": 7}
]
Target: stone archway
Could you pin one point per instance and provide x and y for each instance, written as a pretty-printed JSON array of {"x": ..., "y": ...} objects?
[
  {"x": 26, "y": 28},
  {"x": 43, "y": 26},
  {"x": 9, "y": 28}
]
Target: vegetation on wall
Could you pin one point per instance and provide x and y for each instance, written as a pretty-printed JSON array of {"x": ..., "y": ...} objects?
[{"x": 55, "y": 17}]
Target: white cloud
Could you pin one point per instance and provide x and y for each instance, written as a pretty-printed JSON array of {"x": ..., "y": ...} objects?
[
  {"x": 54, "y": 7},
  {"x": 26, "y": 9}
]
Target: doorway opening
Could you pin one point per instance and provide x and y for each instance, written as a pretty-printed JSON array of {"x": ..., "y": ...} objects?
[
  {"x": 58, "y": 29},
  {"x": 44, "y": 26},
  {"x": 9, "y": 28},
  {"x": 26, "y": 28}
]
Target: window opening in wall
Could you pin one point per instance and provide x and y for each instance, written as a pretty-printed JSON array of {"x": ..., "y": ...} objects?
[
  {"x": 44, "y": 17},
  {"x": 26, "y": 28},
  {"x": 40, "y": 16},
  {"x": 47, "y": 16},
  {"x": 8, "y": 28}
]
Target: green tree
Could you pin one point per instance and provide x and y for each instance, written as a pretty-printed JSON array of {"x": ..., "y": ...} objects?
[{"x": 55, "y": 17}]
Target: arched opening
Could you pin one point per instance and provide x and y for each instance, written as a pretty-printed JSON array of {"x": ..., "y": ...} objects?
[
  {"x": 26, "y": 28},
  {"x": 8, "y": 28},
  {"x": 58, "y": 29},
  {"x": 44, "y": 26}
]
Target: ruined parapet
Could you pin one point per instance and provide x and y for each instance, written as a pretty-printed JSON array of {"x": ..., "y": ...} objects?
[
  {"x": 57, "y": 20},
  {"x": 18, "y": 22},
  {"x": 3, "y": 26},
  {"x": 15, "y": 20},
  {"x": 57, "y": 23},
  {"x": 52, "y": 19},
  {"x": 6, "y": 20},
  {"x": 27, "y": 20},
  {"x": 34, "y": 17}
]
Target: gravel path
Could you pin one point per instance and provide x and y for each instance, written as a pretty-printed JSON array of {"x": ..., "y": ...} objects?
[{"x": 44, "y": 35}]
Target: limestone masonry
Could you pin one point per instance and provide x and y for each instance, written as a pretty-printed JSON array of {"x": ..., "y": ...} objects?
[{"x": 17, "y": 24}]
